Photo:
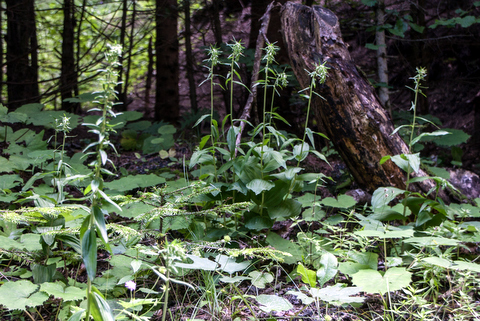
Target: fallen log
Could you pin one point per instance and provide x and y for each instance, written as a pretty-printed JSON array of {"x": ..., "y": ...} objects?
[{"x": 350, "y": 114}]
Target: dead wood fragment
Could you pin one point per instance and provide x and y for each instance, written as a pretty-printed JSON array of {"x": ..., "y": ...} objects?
[{"x": 351, "y": 114}]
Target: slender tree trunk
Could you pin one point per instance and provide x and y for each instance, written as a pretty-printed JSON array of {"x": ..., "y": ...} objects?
[
  {"x": 148, "y": 81},
  {"x": 77, "y": 39},
  {"x": 351, "y": 114},
  {"x": 123, "y": 33},
  {"x": 129, "y": 54},
  {"x": 1, "y": 53},
  {"x": 189, "y": 57},
  {"x": 382, "y": 65},
  {"x": 166, "y": 50},
  {"x": 22, "y": 58},
  {"x": 68, "y": 76}
]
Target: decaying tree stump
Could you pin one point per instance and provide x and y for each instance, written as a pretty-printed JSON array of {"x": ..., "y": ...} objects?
[{"x": 351, "y": 114}]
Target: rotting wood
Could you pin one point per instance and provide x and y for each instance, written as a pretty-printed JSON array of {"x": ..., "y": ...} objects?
[{"x": 351, "y": 113}]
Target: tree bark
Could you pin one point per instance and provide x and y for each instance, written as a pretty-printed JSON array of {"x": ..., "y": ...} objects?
[
  {"x": 166, "y": 51},
  {"x": 148, "y": 82},
  {"x": 192, "y": 87},
  {"x": 22, "y": 58},
  {"x": 123, "y": 35},
  {"x": 68, "y": 76},
  {"x": 351, "y": 113},
  {"x": 382, "y": 64}
]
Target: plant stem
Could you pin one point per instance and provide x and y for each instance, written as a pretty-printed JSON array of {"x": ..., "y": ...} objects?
[{"x": 165, "y": 303}]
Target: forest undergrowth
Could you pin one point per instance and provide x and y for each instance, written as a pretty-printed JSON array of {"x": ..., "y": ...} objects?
[{"x": 235, "y": 232}]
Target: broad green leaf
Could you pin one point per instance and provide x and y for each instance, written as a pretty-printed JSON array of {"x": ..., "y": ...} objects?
[
  {"x": 300, "y": 151},
  {"x": 367, "y": 258},
  {"x": 258, "y": 223},
  {"x": 10, "y": 181},
  {"x": 466, "y": 21},
  {"x": 167, "y": 129},
  {"x": 89, "y": 252},
  {"x": 383, "y": 196},
  {"x": 285, "y": 209},
  {"x": 21, "y": 294},
  {"x": 136, "y": 264},
  {"x": 456, "y": 137},
  {"x": 77, "y": 316},
  {"x": 232, "y": 137},
  {"x": 371, "y": 281},
  {"x": 455, "y": 265},
  {"x": 43, "y": 273},
  {"x": 131, "y": 182},
  {"x": 416, "y": 27},
  {"x": 431, "y": 241},
  {"x": 135, "y": 209},
  {"x": 313, "y": 214},
  {"x": 99, "y": 308},
  {"x": 432, "y": 134},
  {"x": 202, "y": 157},
  {"x": 99, "y": 215},
  {"x": 306, "y": 300},
  {"x": 228, "y": 264},
  {"x": 48, "y": 238},
  {"x": 66, "y": 293},
  {"x": 199, "y": 263},
  {"x": 350, "y": 268},
  {"x": 328, "y": 268},
  {"x": 342, "y": 201},
  {"x": 109, "y": 200},
  {"x": 414, "y": 161},
  {"x": 259, "y": 185},
  {"x": 287, "y": 246},
  {"x": 308, "y": 276},
  {"x": 338, "y": 294},
  {"x": 260, "y": 279},
  {"x": 201, "y": 119},
  {"x": 464, "y": 211},
  {"x": 401, "y": 162},
  {"x": 434, "y": 260},
  {"x": 386, "y": 234},
  {"x": 269, "y": 303}
]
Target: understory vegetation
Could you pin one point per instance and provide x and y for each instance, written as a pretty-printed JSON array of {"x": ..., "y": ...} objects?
[{"x": 233, "y": 232}]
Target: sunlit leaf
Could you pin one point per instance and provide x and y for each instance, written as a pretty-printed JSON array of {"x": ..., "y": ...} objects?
[
  {"x": 371, "y": 281},
  {"x": 269, "y": 303},
  {"x": 21, "y": 294}
]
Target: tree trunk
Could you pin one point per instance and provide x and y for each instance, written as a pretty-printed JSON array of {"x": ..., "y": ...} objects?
[
  {"x": 382, "y": 64},
  {"x": 129, "y": 54},
  {"x": 68, "y": 76},
  {"x": 123, "y": 35},
  {"x": 148, "y": 82},
  {"x": 22, "y": 58},
  {"x": 192, "y": 87},
  {"x": 1, "y": 53},
  {"x": 166, "y": 51},
  {"x": 351, "y": 113}
]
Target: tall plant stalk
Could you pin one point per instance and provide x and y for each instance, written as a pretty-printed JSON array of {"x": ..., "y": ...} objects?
[
  {"x": 94, "y": 224},
  {"x": 417, "y": 79}
]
